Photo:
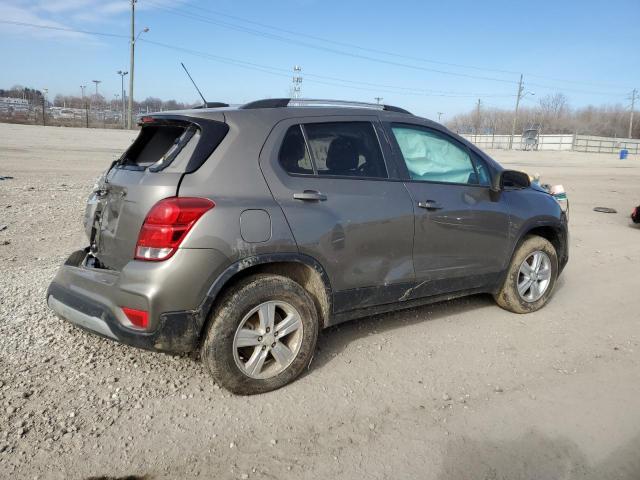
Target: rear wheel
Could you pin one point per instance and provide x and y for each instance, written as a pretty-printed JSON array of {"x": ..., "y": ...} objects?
[
  {"x": 262, "y": 335},
  {"x": 531, "y": 276}
]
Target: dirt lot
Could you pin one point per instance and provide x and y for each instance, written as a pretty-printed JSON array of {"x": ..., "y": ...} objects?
[{"x": 450, "y": 391}]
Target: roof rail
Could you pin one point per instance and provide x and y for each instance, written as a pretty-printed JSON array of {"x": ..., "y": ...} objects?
[
  {"x": 213, "y": 105},
  {"x": 312, "y": 102}
]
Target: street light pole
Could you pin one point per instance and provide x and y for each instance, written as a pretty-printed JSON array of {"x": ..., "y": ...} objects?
[
  {"x": 124, "y": 121},
  {"x": 134, "y": 38},
  {"x": 84, "y": 100},
  {"x": 132, "y": 55},
  {"x": 97, "y": 82}
]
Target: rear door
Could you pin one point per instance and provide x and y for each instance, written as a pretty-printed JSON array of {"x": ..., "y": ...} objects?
[
  {"x": 166, "y": 148},
  {"x": 346, "y": 206},
  {"x": 461, "y": 229}
]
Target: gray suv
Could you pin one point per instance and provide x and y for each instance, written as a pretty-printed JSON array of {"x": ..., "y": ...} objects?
[{"x": 242, "y": 231}]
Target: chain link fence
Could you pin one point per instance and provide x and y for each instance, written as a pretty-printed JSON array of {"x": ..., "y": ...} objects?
[{"x": 61, "y": 116}]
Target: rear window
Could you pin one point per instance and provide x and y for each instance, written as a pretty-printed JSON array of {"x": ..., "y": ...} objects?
[{"x": 175, "y": 146}]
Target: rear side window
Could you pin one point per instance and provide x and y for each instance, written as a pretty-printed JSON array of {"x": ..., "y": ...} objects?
[
  {"x": 175, "y": 145},
  {"x": 293, "y": 155},
  {"x": 152, "y": 144},
  {"x": 346, "y": 149}
]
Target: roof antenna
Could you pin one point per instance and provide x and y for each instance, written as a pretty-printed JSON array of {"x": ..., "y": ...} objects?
[{"x": 204, "y": 102}]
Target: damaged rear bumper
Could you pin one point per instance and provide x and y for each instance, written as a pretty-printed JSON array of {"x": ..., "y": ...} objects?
[
  {"x": 177, "y": 331},
  {"x": 92, "y": 299}
]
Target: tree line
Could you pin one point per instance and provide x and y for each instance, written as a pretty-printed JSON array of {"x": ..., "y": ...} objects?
[{"x": 551, "y": 114}]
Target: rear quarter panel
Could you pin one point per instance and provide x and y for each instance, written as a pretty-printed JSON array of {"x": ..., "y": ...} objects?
[{"x": 232, "y": 178}]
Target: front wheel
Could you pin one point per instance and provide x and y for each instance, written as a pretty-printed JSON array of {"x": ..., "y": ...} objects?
[
  {"x": 262, "y": 335},
  {"x": 531, "y": 276}
]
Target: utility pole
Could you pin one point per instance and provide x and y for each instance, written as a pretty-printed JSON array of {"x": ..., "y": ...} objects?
[
  {"x": 44, "y": 107},
  {"x": 634, "y": 96},
  {"x": 378, "y": 100},
  {"x": 478, "y": 123},
  {"x": 440, "y": 115},
  {"x": 132, "y": 55},
  {"x": 296, "y": 81},
  {"x": 515, "y": 116},
  {"x": 122, "y": 74},
  {"x": 84, "y": 100}
]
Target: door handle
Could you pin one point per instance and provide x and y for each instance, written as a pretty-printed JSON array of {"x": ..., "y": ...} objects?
[
  {"x": 430, "y": 205},
  {"x": 310, "y": 196}
]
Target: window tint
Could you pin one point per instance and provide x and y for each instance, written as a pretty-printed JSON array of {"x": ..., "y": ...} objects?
[
  {"x": 293, "y": 156},
  {"x": 346, "y": 148},
  {"x": 430, "y": 156}
]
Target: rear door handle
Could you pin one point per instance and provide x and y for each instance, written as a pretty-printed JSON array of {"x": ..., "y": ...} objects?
[
  {"x": 310, "y": 196},
  {"x": 430, "y": 205}
]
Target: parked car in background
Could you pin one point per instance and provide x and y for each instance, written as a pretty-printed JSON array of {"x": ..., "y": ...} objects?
[{"x": 244, "y": 231}]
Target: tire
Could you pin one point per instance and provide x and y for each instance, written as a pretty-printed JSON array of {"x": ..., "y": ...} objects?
[
  {"x": 233, "y": 324},
  {"x": 508, "y": 297}
]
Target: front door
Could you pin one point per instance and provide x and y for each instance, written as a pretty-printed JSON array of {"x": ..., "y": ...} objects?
[
  {"x": 461, "y": 231},
  {"x": 344, "y": 209}
]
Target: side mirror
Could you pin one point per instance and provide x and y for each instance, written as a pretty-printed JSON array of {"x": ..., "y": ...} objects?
[{"x": 510, "y": 179}]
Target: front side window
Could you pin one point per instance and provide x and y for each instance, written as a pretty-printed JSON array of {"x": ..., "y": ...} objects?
[
  {"x": 346, "y": 149},
  {"x": 430, "y": 156},
  {"x": 484, "y": 175}
]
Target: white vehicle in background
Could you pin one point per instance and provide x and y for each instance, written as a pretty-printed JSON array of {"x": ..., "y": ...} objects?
[{"x": 66, "y": 113}]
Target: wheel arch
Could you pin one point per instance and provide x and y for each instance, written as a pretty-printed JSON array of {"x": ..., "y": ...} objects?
[
  {"x": 552, "y": 230},
  {"x": 303, "y": 269},
  {"x": 552, "y": 233}
]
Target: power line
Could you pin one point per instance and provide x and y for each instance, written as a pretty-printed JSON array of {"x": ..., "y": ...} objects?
[
  {"x": 268, "y": 69},
  {"x": 63, "y": 29},
  {"x": 285, "y": 73},
  {"x": 406, "y": 90},
  {"x": 359, "y": 47},
  {"x": 262, "y": 34},
  {"x": 335, "y": 42}
]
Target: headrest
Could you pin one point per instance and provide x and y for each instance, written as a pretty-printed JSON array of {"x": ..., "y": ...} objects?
[{"x": 342, "y": 155}]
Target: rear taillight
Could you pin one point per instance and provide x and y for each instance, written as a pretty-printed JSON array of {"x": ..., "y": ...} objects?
[{"x": 166, "y": 225}]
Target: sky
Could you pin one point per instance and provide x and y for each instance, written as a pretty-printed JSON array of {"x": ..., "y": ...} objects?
[{"x": 425, "y": 56}]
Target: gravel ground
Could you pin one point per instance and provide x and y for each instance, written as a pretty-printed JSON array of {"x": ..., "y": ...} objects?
[{"x": 449, "y": 391}]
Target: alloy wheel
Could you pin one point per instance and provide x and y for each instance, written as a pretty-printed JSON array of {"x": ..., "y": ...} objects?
[
  {"x": 268, "y": 339},
  {"x": 534, "y": 276}
]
